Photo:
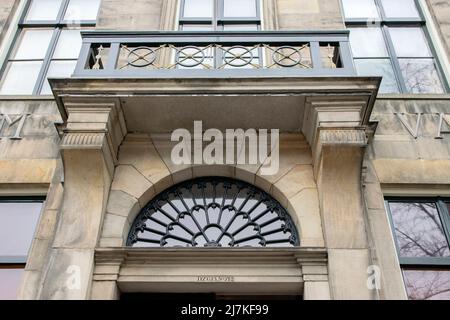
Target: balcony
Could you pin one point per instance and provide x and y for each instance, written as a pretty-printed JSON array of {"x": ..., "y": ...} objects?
[
  {"x": 214, "y": 54},
  {"x": 162, "y": 81}
]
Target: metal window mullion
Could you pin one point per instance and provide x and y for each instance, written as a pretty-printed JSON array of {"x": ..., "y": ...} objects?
[
  {"x": 391, "y": 222},
  {"x": 380, "y": 8},
  {"x": 46, "y": 62},
  {"x": 62, "y": 11},
  {"x": 445, "y": 218},
  {"x": 218, "y": 14},
  {"x": 394, "y": 60}
]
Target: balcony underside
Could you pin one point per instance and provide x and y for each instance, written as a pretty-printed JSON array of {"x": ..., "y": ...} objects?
[{"x": 162, "y": 105}]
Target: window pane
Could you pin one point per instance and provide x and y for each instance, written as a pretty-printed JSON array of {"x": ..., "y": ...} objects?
[
  {"x": 15, "y": 81},
  {"x": 69, "y": 45},
  {"x": 196, "y": 27},
  {"x": 17, "y": 223},
  {"x": 58, "y": 69},
  {"x": 240, "y": 27},
  {"x": 360, "y": 9},
  {"x": 10, "y": 281},
  {"x": 409, "y": 42},
  {"x": 418, "y": 230},
  {"x": 367, "y": 42},
  {"x": 43, "y": 10},
  {"x": 198, "y": 8},
  {"x": 378, "y": 67},
  {"x": 33, "y": 44},
  {"x": 82, "y": 10},
  {"x": 427, "y": 284},
  {"x": 400, "y": 8},
  {"x": 239, "y": 8},
  {"x": 421, "y": 76}
]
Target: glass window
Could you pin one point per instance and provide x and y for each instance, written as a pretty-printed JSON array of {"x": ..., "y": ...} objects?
[
  {"x": 225, "y": 213},
  {"x": 33, "y": 44},
  {"x": 421, "y": 76},
  {"x": 82, "y": 10},
  {"x": 427, "y": 284},
  {"x": 397, "y": 44},
  {"x": 367, "y": 42},
  {"x": 378, "y": 67},
  {"x": 421, "y": 234},
  {"x": 10, "y": 279},
  {"x": 354, "y": 9},
  {"x": 18, "y": 221},
  {"x": 409, "y": 42},
  {"x": 69, "y": 45},
  {"x": 198, "y": 8},
  {"x": 400, "y": 8},
  {"x": 50, "y": 26},
  {"x": 62, "y": 69},
  {"x": 43, "y": 10},
  {"x": 14, "y": 81},
  {"x": 419, "y": 230},
  {"x": 239, "y": 8}
]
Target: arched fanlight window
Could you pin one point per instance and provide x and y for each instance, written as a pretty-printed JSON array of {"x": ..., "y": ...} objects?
[{"x": 213, "y": 212}]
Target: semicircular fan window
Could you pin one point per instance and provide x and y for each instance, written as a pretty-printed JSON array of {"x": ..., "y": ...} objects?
[{"x": 213, "y": 212}]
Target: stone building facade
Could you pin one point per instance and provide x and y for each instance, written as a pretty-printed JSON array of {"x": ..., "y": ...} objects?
[{"x": 357, "y": 89}]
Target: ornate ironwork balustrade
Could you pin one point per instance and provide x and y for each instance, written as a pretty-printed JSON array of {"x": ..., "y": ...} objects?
[{"x": 214, "y": 54}]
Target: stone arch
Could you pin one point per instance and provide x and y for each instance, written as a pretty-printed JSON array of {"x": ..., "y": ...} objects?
[{"x": 143, "y": 172}]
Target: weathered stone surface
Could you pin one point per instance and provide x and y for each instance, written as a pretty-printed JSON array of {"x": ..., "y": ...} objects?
[
  {"x": 296, "y": 180},
  {"x": 138, "y": 151},
  {"x": 305, "y": 211},
  {"x": 122, "y": 204},
  {"x": 309, "y": 14},
  {"x": 129, "y": 180},
  {"x": 413, "y": 171},
  {"x": 440, "y": 11},
  {"x": 68, "y": 266},
  {"x": 120, "y": 15},
  {"x": 6, "y": 11},
  {"x": 348, "y": 274}
]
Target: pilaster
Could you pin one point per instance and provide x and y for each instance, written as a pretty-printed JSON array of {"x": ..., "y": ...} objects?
[{"x": 89, "y": 146}]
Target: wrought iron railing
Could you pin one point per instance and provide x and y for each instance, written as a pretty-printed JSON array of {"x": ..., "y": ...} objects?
[{"x": 207, "y": 54}]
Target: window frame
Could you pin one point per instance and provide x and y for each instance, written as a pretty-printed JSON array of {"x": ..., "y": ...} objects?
[
  {"x": 384, "y": 23},
  {"x": 58, "y": 25},
  {"x": 444, "y": 216},
  {"x": 218, "y": 20}
]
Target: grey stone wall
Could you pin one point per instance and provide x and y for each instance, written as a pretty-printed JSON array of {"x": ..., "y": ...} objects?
[
  {"x": 130, "y": 15},
  {"x": 440, "y": 10},
  {"x": 309, "y": 14}
]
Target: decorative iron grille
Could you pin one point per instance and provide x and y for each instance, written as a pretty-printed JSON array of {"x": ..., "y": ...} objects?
[{"x": 213, "y": 212}]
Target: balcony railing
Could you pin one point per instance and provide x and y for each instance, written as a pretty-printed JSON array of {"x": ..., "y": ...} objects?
[{"x": 214, "y": 54}]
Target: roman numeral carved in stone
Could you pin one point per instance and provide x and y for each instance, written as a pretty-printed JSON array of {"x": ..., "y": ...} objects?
[
  {"x": 443, "y": 119},
  {"x": 414, "y": 132}
]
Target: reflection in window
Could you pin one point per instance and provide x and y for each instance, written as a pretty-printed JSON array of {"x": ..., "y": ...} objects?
[
  {"x": 395, "y": 47},
  {"x": 198, "y": 8},
  {"x": 427, "y": 284},
  {"x": 378, "y": 67},
  {"x": 43, "y": 10},
  {"x": 48, "y": 44},
  {"x": 239, "y": 8},
  {"x": 419, "y": 230},
  {"x": 360, "y": 9},
  {"x": 421, "y": 235},
  {"x": 400, "y": 8},
  {"x": 421, "y": 76},
  {"x": 10, "y": 278},
  {"x": 213, "y": 212},
  {"x": 18, "y": 220}
]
